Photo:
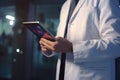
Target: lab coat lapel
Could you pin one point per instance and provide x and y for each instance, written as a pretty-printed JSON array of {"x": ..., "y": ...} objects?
[
  {"x": 65, "y": 13},
  {"x": 68, "y": 8},
  {"x": 78, "y": 6}
]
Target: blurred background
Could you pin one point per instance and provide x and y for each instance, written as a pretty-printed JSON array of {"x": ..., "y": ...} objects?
[{"x": 20, "y": 54}]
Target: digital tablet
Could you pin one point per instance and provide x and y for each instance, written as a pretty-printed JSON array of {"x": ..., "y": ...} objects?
[{"x": 39, "y": 30}]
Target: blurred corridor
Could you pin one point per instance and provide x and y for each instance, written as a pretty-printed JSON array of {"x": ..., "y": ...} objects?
[{"x": 20, "y": 54}]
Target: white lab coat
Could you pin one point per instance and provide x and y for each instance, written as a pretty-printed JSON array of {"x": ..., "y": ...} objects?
[{"x": 94, "y": 30}]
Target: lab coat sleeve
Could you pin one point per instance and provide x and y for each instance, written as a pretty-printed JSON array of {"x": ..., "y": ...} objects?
[
  {"x": 59, "y": 34},
  {"x": 49, "y": 55},
  {"x": 108, "y": 46}
]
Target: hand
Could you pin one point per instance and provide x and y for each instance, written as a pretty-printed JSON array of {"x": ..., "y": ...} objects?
[{"x": 60, "y": 45}]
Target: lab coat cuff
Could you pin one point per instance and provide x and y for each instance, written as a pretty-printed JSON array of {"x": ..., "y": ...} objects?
[{"x": 49, "y": 55}]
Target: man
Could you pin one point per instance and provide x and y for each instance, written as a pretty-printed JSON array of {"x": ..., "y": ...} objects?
[{"x": 92, "y": 42}]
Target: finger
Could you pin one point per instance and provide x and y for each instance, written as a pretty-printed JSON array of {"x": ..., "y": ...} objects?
[
  {"x": 45, "y": 46},
  {"x": 42, "y": 46},
  {"x": 42, "y": 42},
  {"x": 48, "y": 42},
  {"x": 46, "y": 51}
]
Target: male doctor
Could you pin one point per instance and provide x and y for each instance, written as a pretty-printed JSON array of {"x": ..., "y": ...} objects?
[{"x": 92, "y": 42}]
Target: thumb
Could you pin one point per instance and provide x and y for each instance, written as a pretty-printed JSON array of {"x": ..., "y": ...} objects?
[{"x": 59, "y": 38}]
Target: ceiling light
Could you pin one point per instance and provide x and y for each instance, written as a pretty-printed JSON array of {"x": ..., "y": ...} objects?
[{"x": 10, "y": 17}]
